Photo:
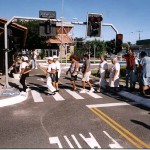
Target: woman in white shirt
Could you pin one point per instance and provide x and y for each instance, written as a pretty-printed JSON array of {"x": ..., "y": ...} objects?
[
  {"x": 103, "y": 68},
  {"x": 50, "y": 78},
  {"x": 114, "y": 74}
]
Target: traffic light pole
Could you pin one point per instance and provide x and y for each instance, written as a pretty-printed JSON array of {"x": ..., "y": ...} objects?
[{"x": 6, "y": 40}]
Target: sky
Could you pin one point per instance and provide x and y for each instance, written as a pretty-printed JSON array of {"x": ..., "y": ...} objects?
[{"x": 128, "y": 16}]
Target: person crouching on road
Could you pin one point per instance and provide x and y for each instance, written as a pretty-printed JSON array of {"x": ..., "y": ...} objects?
[
  {"x": 86, "y": 74},
  {"x": 58, "y": 71},
  {"x": 115, "y": 73},
  {"x": 103, "y": 69},
  {"x": 23, "y": 75},
  {"x": 74, "y": 68},
  {"x": 51, "y": 76}
]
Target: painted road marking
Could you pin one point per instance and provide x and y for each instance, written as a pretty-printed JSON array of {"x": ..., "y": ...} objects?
[
  {"x": 111, "y": 104},
  {"x": 90, "y": 141},
  {"x": 115, "y": 143},
  {"x": 74, "y": 94},
  {"x": 124, "y": 132},
  {"x": 58, "y": 97},
  {"x": 36, "y": 96},
  {"x": 76, "y": 141},
  {"x": 93, "y": 95}
]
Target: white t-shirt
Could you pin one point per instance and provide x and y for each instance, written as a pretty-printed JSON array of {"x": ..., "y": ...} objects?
[
  {"x": 103, "y": 66},
  {"x": 51, "y": 67},
  {"x": 35, "y": 54},
  {"x": 114, "y": 68},
  {"x": 23, "y": 66}
]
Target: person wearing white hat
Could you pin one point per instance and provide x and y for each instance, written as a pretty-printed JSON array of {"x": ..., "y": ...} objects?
[
  {"x": 50, "y": 78},
  {"x": 58, "y": 71},
  {"x": 115, "y": 73},
  {"x": 23, "y": 74}
]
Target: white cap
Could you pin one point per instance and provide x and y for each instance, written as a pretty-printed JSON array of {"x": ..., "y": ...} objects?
[
  {"x": 55, "y": 56},
  {"x": 50, "y": 58},
  {"x": 25, "y": 58}
]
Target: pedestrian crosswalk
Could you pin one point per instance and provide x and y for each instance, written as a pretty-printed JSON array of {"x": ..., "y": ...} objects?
[{"x": 64, "y": 95}]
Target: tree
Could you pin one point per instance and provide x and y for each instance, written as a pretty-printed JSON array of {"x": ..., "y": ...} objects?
[{"x": 34, "y": 41}]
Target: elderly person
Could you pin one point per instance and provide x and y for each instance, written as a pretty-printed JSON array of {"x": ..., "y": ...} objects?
[
  {"x": 74, "y": 68},
  {"x": 51, "y": 76},
  {"x": 145, "y": 72},
  {"x": 58, "y": 71},
  {"x": 103, "y": 69},
  {"x": 86, "y": 70},
  {"x": 115, "y": 73}
]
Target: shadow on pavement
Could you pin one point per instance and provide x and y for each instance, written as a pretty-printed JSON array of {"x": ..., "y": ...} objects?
[{"x": 141, "y": 123}]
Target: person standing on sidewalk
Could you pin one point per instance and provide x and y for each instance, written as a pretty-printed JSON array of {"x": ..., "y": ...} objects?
[
  {"x": 145, "y": 72},
  {"x": 24, "y": 74},
  {"x": 130, "y": 66},
  {"x": 50, "y": 78},
  {"x": 103, "y": 69},
  {"x": 58, "y": 71},
  {"x": 115, "y": 73},
  {"x": 86, "y": 74},
  {"x": 34, "y": 59},
  {"x": 74, "y": 67},
  {"x": 136, "y": 70}
]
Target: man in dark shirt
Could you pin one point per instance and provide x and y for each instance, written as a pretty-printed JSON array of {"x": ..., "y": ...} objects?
[{"x": 130, "y": 67}]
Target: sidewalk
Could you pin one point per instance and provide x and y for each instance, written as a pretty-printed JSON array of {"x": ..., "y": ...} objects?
[{"x": 5, "y": 98}]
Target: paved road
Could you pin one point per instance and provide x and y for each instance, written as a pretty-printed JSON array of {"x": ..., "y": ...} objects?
[{"x": 73, "y": 120}]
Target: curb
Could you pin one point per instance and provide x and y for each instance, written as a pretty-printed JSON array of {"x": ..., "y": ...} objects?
[
  {"x": 13, "y": 100},
  {"x": 141, "y": 100}
]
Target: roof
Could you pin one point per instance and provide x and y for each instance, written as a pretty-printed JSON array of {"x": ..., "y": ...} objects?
[{"x": 60, "y": 38}]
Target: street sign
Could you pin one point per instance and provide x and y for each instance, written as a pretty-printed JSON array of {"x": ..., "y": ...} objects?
[{"x": 47, "y": 14}]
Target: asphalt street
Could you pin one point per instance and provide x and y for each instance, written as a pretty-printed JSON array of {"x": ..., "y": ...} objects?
[{"x": 73, "y": 120}]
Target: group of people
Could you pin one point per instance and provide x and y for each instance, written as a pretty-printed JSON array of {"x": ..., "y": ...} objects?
[{"x": 137, "y": 70}]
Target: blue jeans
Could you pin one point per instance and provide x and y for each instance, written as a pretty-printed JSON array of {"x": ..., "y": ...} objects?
[{"x": 129, "y": 74}]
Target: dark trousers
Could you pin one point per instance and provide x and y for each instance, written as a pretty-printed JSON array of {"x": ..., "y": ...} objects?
[{"x": 23, "y": 83}]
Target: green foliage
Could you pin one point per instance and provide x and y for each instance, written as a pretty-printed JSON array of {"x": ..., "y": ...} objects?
[{"x": 33, "y": 39}]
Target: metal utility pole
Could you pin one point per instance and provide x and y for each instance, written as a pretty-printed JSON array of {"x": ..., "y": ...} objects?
[{"x": 139, "y": 34}]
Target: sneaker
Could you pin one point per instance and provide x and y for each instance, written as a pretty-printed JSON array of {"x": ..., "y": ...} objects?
[
  {"x": 83, "y": 91},
  {"x": 36, "y": 68},
  {"x": 91, "y": 90},
  {"x": 28, "y": 89}
]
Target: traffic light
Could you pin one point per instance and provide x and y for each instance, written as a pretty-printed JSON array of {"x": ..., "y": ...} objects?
[
  {"x": 119, "y": 41},
  {"x": 94, "y": 25}
]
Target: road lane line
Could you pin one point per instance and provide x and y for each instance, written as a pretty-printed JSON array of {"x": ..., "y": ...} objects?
[
  {"x": 74, "y": 94},
  {"x": 36, "y": 96},
  {"x": 58, "y": 97},
  {"x": 76, "y": 141},
  {"x": 122, "y": 128},
  {"x": 69, "y": 143},
  {"x": 115, "y": 144},
  {"x": 93, "y": 95},
  {"x": 124, "y": 135},
  {"x": 110, "y": 105}
]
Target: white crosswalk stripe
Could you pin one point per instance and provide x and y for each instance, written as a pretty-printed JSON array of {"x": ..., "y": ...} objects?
[
  {"x": 74, "y": 94},
  {"x": 37, "y": 96},
  {"x": 58, "y": 97},
  {"x": 93, "y": 95}
]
